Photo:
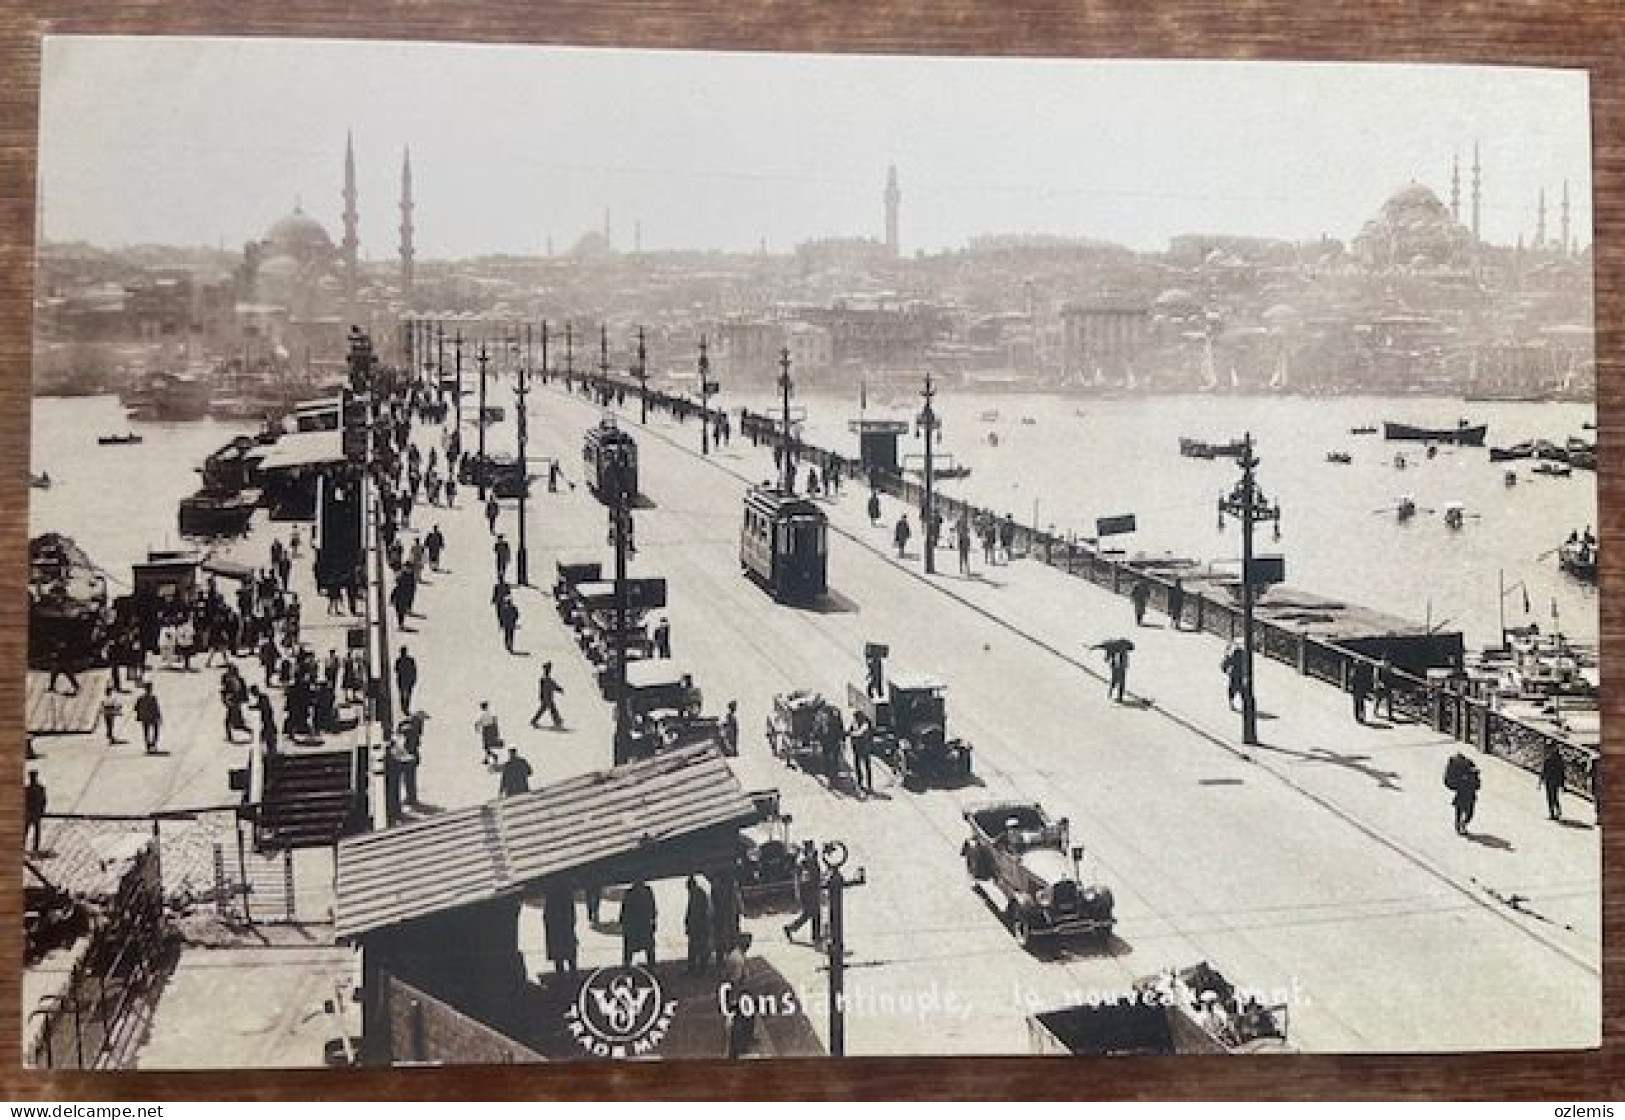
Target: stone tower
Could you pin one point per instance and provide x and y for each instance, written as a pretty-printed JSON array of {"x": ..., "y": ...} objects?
[{"x": 894, "y": 198}]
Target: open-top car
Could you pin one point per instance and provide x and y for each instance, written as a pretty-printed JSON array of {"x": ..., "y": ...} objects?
[{"x": 1024, "y": 864}]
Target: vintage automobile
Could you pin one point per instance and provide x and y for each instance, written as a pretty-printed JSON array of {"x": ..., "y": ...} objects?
[
  {"x": 1023, "y": 863},
  {"x": 571, "y": 573},
  {"x": 910, "y": 730},
  {"x": 766, "y": 865},
  {"x": 792, "y": 728}
]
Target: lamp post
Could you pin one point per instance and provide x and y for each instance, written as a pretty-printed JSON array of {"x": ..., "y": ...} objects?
[
  {"x": 569, "y": 353},
  {"x": 479, "y": 474},
  {"x": 834, "y": 855},
  {"x": 521, "y": 392},
  {"x": 705, "y": 396},
  {"x": 928, "y": 425},
  {"x": 642, "y": 375},
  {"x": 620, "y": 503},
  {"x": 787, "y": 469},
  {"x": 1247, "y": 502},
  {"x": 603, "y": 358},
  {"x": 457, "y": 429}
]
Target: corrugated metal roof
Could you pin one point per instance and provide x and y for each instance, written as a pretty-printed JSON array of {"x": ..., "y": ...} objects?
[
  {"x": 485, "y": 851},
  {"x": 303, "y": 449}
]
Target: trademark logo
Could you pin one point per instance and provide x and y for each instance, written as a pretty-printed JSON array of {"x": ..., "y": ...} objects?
[{"x": 620, "y": 1013}]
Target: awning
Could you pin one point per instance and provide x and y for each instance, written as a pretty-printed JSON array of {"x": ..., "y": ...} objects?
[
  {"x": 303, "y": 449},
  {"x": 505, "y": 847}
]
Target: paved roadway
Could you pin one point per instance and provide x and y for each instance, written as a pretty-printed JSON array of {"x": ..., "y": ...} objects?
[{"x": 1291, "y": 876}]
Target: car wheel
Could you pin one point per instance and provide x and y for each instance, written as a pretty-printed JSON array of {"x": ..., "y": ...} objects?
[{"x": 974, "y": 862}]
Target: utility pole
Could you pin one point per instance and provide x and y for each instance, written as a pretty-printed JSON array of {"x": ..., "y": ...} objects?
[
  {"x": 603, "y": 357},
  {"x": 480, "y": 472},
  {"x": 705, "y": 396},
  {"x": 787, "y": 469},
  {"x": 440, "y": 363},
  {"x": 834, "y": 855},
  {"x": 1247, "y": 502},
  {"x": 569, "y": 353},
  {"x": 928, "y": 424},
  {"x": 621, "y": 512},
  {"x": 457, "y": 431},
  {"x": 521, "y": 392},
  {"x": 642, "y": 374}
]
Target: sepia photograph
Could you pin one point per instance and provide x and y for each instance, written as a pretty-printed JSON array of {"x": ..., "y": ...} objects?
[{"x": 580, "y": 554}]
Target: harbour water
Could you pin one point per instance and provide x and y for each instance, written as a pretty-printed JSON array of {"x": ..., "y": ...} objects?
[
  {"x": 1077, "y": 459},
  {"x": 1066, "y": 460}
]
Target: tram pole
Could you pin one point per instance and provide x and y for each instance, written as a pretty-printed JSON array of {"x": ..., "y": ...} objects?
[
  {"x": 622, "y": 512},
  {"x": 479, "y": 474},
  {"x": 705, "y": 396},
  {"x": 603, "y": 357},
  {"x": 521, "y": 393},
  {"x": 569, "y": 354},
  {"x": 787, "y": 469},
  {"x": 928, "y": 423},
  {"x": 1247, "y": 502},
  {"x": 440, "y": 362},
  {"x": 457, "y": 431},
  {"x": 642, "y": 374}
]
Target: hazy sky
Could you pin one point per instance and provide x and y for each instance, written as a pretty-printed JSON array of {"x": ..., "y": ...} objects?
[{"x": 194, "y": 141}]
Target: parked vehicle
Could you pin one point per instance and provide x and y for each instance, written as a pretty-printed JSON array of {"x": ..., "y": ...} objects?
[
  {"x": 1024, "y": 864},
  {"x": 792, "y": 728},
  {"x": 910, "y": 730}
]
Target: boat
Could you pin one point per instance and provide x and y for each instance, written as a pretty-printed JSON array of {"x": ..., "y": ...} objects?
[
  {"x": 1201, "y": 449},
  {"x": 1524, "y": 450},
  {"x": 115, "y": 441},
  {"x": 217, "y": 513},
  {"x": 1405, "y": 508},
  {"x": 988, "y": 416},
  {"x": 1339, "y": 457},
  {"x": 1578, "y": 556},
  {"x": 1400, "y": 462},
  {"x": 1455, "y": 515},
  {"x": 1363, "y": 430},
  {"x": 1510, "y": 478},
  {"x": 944, "y": 472},
  {"x": 1465, "y": 434},
  {"x": 171, "y": 396},
  {"x": 39, "y": 481},
  {"x": 993, "y": 439},
  {"x": 67, "y": 603},
  {"x": 1553, "y": 469},
  {"x": 1028, "y": 420}
]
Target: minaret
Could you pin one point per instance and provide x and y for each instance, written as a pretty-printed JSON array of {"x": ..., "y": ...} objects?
[
  {"x": 1540, "y": 223},
  {"x": 637, "y": 237},
  {"x": 1455, "y": 189},
  {"x": 894, "y": 198},
  {"x": 607, "y": 241},
  {"x": 407, "y": 252},
  {"x": 1565, "y": 218},
  {"x": 1477, "y": 171},
  {"x": 351, "y": 244}
]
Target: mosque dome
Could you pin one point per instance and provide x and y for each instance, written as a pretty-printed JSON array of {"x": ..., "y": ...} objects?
[
  {"x": 1175, "y": 298},
  {"x": 1413, "y": 228},
  {"x": 299, "y": 236}
]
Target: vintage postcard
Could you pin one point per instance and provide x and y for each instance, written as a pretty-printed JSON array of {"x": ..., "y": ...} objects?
[{"x": 558, "y": 554}]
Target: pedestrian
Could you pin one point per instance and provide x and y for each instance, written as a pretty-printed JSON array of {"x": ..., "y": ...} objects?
[
  {"x": 874, "y": 507},
  {"x": 697, "y": 925},
  {"x": 874, "y": 659},
  {"x": 638, "y": 919},
  {"x": 232, "y": 696},
  {"x": 503, "y": 552},
  {"x": 434, "y": 544},
  {"x": 830, "y": 734},
  {"x": 1140, "y": 596},
  {"x": 559, "y": 930},
  {"x": 515, "y": 776},
  {"x": 962, "y": 540},
  {"x": 34, "y": 803},
  {"x": 451, "y": 492},
  {"x": 492, "y": 509},
  {"x": 730, "y": 729},
  {"x": 553, "y": 477},
  {"x": 1552, "y": 774},
  {"x": 111, "y": 710},
  {"x": 490, "y": 734},
  {"x": 508, "y": 620},
  {"x": 406, "y": 677},
  {"x": 1176, "y": 604},
  {"x": 901, "y": 534},
  {"x": 809, "y": 894},
  {"x": 410, "y": 744},
  {"x": 738, "y": 1008},
  {"x": 1007, "y": 537},
  {"x": 1361, "y": 680},
  {"x": 662, "y": 638},
  {"x": 150, "y": 716},
  {"x": 1116, "y": 653},
  {"x": 394, "y": 768},
  {"x": 547, "y": 691},
  {"x": 862, "y": 753},
  {"x": 267, "y": 718},
  {"x": 1383, "y": 689},
  {"x": 294, "y": 543},
  {"x": 398, "y": 598},
  {"x": 1234, "y": 666},
  {"x": 1461, "y": 778}
]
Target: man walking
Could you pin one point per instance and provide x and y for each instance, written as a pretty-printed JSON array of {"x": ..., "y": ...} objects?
[
  {"x": 862, "y": 753},
  {"x": 1360, "y": 683},
  {"x": 508, "y": 619},
  {"x": 962, "y": 540},
  {"x": 34, "y": 802},
  {"x": 111, "y": 710},
  {"x": 809, "y": 893},
  {"x": 901, "y": 534},
  {"x": 1551, "y": 778},
  {"x": 406, "y": 677},
  {"x": 662, "y": 638},
  {"x": 1176, "y": 604},
  {"x": 697, "y": 925},
  {"x": 1461, "y": 777},
  {"x": 490, "y": 734},
  {"x": 503, "y": 553},
  {"x": 491, "y": 511},
  {"x": 1140, "y": 596},
  {"x": 559, "y": 930},
  {"x": 150, "y": 717},
  {"x": 267, "y": 718},
  {"x": 547, "y": 690},
  {"x": 433, "y": 545},
  {"x": 1234, "y": 665}
]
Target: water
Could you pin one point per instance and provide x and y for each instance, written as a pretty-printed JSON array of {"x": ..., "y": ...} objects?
[
  {"x": 1084, "y": 458},
  {"x": 117, "y": 502}
]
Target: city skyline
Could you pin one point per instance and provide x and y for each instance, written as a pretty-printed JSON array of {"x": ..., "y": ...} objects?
[{"x": 721, "y": 161}]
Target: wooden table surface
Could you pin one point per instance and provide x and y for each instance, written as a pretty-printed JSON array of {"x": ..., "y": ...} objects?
[{"x": 1573, "y": 35}]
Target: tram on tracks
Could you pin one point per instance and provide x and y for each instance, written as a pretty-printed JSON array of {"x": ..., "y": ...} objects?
[
  {"x": 609, "y": 458},
  {"x": 784, "y": 545}
]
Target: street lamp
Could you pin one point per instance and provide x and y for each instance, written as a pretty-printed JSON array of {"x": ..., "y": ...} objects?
[
  {"x": 705, "y": 397},
  {"x": 928, "y": 424},
  {"x": 787, "y": 468},
  {"x": 569, "y": 354},
  {"x": 642, "y": 375},
  {"x": 479, "y": 474},
  {"x": 1247, "y": 502},
  {"x": 457, "y": 429},
  {"x": 521, "y": 391},
  {"x": 603, "y": 359},
  {"x": 620, "y": 506},
  {"x": 834, "y": 855}
]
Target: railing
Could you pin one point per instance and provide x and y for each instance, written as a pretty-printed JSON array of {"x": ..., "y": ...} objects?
[{"x": 1445, "y": 708}]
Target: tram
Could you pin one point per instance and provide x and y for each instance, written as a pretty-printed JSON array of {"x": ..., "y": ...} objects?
[
  {"x": 609, "y": 458},
  {"x": 784, "y": 545}
]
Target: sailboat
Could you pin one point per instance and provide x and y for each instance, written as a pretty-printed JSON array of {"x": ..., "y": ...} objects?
[
  {"x": 1210, "y": 379},
  {"x": 1278, "y": 378}
]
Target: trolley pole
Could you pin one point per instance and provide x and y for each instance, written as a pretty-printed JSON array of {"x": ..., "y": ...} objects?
[
  {"x": 928, "y": 424},
  {"x": 603, "y": 358},
  {"x": 622, "y": 512},
  {"x": 834, "y": 855},
  {"x": 569, "y": 354},
  {"x": 705, "y": 397},
  {"x": 457, "y": 432},
  {"x": 521, "y": 393},
  {"x": 479, "y": 474},
  {"x": 642, "y": 374},
  {"x": 1247, "y": 502},
  {"x": 787, "y": 469},
  {"x": 440, "y": 363}
]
